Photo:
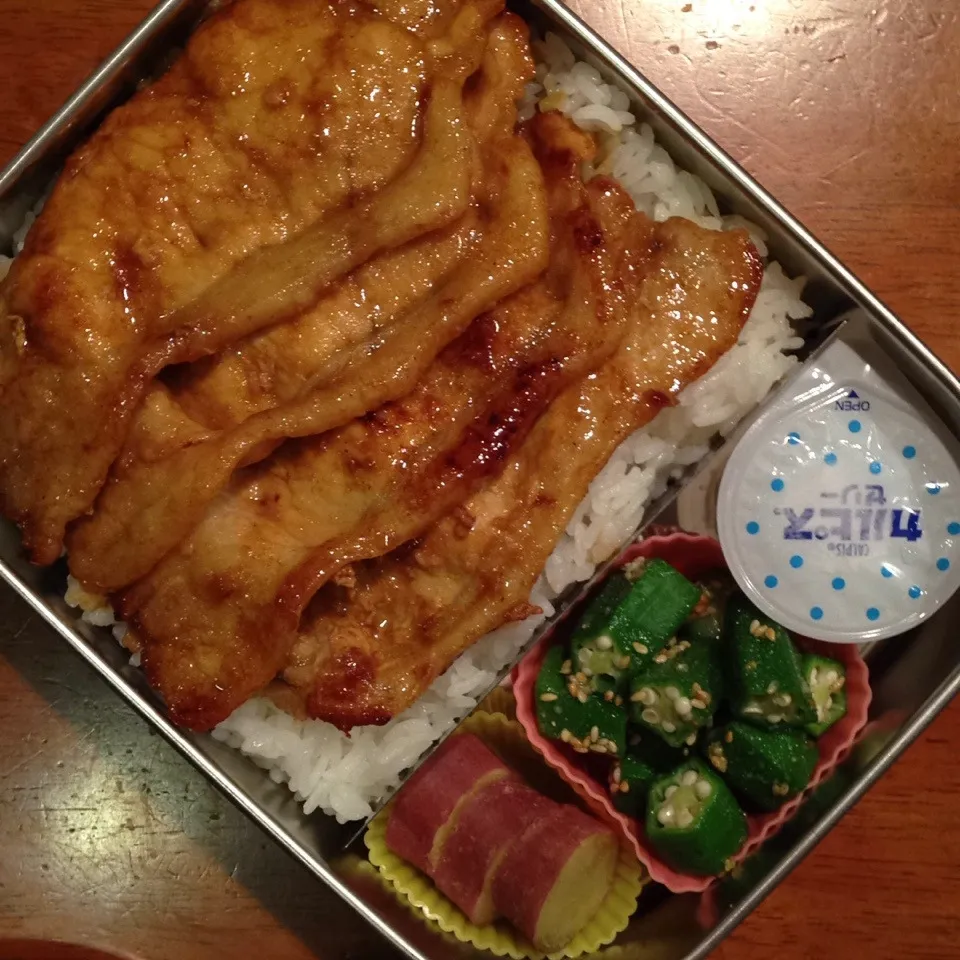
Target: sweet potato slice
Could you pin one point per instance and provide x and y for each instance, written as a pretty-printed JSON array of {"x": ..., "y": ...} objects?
[
  {"x": 553, "y": 881},
  {"x": 491, "y": 823},
  {"x": 427, "y": 809}
]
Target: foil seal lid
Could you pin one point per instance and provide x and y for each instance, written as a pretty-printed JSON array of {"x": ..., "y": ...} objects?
[{"x": 839, "y": 509}]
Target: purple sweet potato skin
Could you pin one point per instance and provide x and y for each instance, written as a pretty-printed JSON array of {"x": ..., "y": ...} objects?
[
  {"x": 494, "y": 819},
  {"x": 532, "y": 867},
  {"x": 431, "y": 797}
]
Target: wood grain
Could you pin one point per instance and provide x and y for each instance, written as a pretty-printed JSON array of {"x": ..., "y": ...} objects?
[{"x": 848, "y": 113}]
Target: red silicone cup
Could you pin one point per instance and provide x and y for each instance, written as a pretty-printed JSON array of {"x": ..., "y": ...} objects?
[{"x": 695, "y": 557}]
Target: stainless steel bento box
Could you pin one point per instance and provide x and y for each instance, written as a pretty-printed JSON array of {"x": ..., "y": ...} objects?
[{"x": 913, "y": 677}]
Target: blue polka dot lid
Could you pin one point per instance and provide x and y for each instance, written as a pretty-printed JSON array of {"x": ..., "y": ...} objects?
[{"x": 839, "y": 509}]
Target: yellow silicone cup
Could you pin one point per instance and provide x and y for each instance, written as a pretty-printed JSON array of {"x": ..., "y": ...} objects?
[
  {"x": 507, "y": 739},
  {"x": 500, "y": 700}
]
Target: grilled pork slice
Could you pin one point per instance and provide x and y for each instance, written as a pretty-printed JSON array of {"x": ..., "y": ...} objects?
[
  {"x": 120, "y": 543},
  {"x": 223, "y": 198},
  {"x": 218, "y": 616},
  {"x": 211, "y": 649},
  {"x": 369, "y": 648}
]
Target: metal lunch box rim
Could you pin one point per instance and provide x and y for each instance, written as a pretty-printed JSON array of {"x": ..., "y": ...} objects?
[
  {"x": 119, "y": 60},
  {"x": 66, "y": 115},
  {"x": 854, "y": 287},
  {"x": 877, "y": 768},
  {"x": 170, "y": 733}
]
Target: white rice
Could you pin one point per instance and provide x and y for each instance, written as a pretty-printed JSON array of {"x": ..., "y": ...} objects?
[{"x": 345, "y": 775}]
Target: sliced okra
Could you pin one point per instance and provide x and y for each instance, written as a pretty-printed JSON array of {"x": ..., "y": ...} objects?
[
  {"x": 676, "y": 695},
  {"x": 594, "y": 646},
  {"x": 767, "y": 686},
  {"x": 648, "y": 758},
  {"x": 693, "y": 820},
  {"x": 765, "y": 768},
  {"x": 607, "y": 687},
  {"x": 631, "y": 619},
  {"x": 568, "y": 711},
  {"x": 653, "y": 750},
  {"x": 826, "y": 679},
  {"x": 630, "y": 781},
  {"x": 705, "y": 622}
]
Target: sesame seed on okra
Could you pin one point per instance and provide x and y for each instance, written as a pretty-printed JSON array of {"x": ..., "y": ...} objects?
[
  {"x": 568, "y": 711},
  {"x": 630, "y": 621},
  {"x": 766, "y": 682},
  {"x": 827, "y": 681},
  {"x": 675, "y": 703},
  {"x": 693, "y": 820},
  {"x": 764, "y": 768}
]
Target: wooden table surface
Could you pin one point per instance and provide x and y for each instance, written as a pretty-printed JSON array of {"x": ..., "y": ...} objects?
[{"x": 848, "y": 112}]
